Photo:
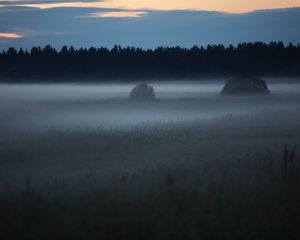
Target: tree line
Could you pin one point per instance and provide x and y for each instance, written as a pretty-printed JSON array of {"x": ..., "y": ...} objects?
[{"x": 48, "y": 64}]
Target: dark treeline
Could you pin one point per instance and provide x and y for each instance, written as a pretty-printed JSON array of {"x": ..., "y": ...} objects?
[{"x": 272, "y": 59}]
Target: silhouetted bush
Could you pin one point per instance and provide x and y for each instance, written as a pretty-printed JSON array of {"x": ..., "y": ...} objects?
[
  {"x": 245, "y": 85},
  {"x": 142, "y": 92}
]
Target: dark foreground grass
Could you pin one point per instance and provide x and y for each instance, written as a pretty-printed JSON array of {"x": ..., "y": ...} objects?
[
  {"x": 228, "y": 178},
  {"x": 245, "y": 198}
]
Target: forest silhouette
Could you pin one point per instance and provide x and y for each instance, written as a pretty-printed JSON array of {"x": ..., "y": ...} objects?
[{"x": 100, "y": 64}]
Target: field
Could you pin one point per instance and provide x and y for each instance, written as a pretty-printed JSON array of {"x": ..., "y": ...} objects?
[{"x": 87, "y": 164}]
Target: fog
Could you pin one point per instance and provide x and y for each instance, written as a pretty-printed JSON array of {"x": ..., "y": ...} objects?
[
  {"x": 85, "y": 156},
  {"x": 39, "y": 107},
  {"x": 68, "y": 129}
]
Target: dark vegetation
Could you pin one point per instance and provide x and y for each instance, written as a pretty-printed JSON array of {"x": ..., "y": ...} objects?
[
  {"x": 245, "y": 85},
  {"x": 232, "y": 178},
  {"x": 258, "y": 58},
  {"x": 142, "y": 92},
  {"x": 248, "y": 198}
]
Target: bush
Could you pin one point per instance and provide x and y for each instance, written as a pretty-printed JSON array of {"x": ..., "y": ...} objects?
[
  {"x": 142, "y": 92},
  {"x": 245, "y": 84}
]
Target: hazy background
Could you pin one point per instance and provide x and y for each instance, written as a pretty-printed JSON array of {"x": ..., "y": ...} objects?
[
  {"x": 81, "y": 106},
  {"x": 66, "y": 130}
]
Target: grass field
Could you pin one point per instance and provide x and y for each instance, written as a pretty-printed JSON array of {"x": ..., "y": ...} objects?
[{"x": 233, "y": 177}]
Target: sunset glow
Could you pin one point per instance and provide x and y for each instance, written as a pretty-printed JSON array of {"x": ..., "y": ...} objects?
[
  {"x": 232, "y": 6},
  {"x": 120, "y": 14},
  {"x": 10, "y": 35}
]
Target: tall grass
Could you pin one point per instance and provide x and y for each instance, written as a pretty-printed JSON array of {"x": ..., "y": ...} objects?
[
  {"x": 225, "y": 179},
  {"x": 243, "y": 199}
]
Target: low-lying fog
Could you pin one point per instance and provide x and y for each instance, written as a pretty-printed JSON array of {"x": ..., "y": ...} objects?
[
  {"x": 205, "y": 125},
  {"x": 79, "y": 106}
]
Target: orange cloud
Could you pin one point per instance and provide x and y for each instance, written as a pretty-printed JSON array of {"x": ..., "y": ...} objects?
[
  {"x": 10, "y": 35},
  {"x": 120, "y": 14},
  {"x": 232, "y": 6}
]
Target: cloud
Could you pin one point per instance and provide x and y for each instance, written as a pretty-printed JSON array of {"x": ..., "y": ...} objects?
[
  {"x": 45, "y": 3},
  {"x": 117, "y": 14},
  {"x": 10, "y": 35},
  {"x": 66, "y": 26},
  {"x": 231, "y": 6}
]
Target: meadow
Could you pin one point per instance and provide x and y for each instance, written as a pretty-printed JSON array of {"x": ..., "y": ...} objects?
[{"x": 79, "y": 166}]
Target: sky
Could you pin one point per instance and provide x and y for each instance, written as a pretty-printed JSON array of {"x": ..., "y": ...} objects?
[
  {"x": 146, "y": 23},
  {"x": 231, "y": 6}
]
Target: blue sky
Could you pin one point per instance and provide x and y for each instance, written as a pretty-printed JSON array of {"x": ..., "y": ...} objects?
[{"x": 23, "y": 26}]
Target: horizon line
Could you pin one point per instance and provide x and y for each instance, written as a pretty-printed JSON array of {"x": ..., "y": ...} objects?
[{"x": 158, "y": 46}]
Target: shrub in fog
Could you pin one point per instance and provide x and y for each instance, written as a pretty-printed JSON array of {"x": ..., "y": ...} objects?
[
  {"x": 142, "y": 92},
  {"x": 245, "y": 84}
]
